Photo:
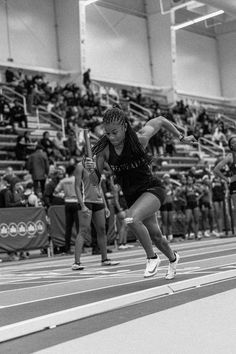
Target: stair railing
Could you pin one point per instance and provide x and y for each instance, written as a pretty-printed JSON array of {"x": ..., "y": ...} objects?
[
  {"x": 209, "y": 149},
  {"x": 42, "y": 113},
  {"x": 18, "y": 95}
]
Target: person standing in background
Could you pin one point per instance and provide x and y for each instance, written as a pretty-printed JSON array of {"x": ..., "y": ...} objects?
[
  {"x": 92, "y": 209},
  {"x": 38, "y": 166},
  {"x": 230, "y": 161},
  {"x": 86, "y": 79},
  {"x": 67, "y": 186}
]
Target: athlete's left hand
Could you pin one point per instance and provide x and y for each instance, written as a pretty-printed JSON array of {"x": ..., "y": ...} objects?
[
  {"x": 190, "y": 139},
  {"x": 89, "y": 164},
  {"x": 107, "y": 213}
]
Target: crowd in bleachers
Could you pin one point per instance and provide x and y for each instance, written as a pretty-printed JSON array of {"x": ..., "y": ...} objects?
[{"x": 190, "y": 210}]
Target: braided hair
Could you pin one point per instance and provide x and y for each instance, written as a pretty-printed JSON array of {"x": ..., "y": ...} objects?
[{"x": 117, "y": 115}]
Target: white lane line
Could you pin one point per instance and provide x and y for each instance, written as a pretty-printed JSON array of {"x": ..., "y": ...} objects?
[
  {"x": 130, "y": 262},
  {"x": 87, "y": 290},
  {"x": 198, "y": 245},
  {"x": 76, "y": 281},
  {"x": 73, "y": 314},
  {"x": 125, "y": 263}
]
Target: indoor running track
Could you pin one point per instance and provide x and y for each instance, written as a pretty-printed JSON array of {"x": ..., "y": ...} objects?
[{"x": 48, "y": 308}]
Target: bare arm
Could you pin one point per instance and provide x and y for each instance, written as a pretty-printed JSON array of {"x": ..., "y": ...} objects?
[
  {"x": 154, "y": 125},
  {"x": 95, "y": 169},
  {"x": 220, "y": 165},
  {"x": 59, "y": 188}
]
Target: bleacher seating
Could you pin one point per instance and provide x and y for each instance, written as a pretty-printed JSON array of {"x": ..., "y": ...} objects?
[{"x": 184, "y": 159}]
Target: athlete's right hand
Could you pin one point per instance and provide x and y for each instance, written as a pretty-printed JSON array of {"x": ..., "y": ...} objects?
[{"x": 89, "y": 164}]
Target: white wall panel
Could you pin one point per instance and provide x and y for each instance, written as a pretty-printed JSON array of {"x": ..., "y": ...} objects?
[
  {"x": 32, "y": 32},
  {"x": 227, "y": 54},
  {"x": 161, "y": 49},
  {"x": 117, "y": 46},
  {"x": 197, "y": 64}
]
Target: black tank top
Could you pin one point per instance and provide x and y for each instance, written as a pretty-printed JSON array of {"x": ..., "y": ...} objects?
[
  {"x": 232, "y": 166},
  {"x": 133, "y": 173}
]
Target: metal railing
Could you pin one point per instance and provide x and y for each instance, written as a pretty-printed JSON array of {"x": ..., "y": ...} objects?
[
  {"x": 16, "y": 95},
  {"x": 136, "y": 108},
  {"x": 230, "y": 121},
  {"x": 209, "y": 149},
  {"x": 44, "y": 114}
]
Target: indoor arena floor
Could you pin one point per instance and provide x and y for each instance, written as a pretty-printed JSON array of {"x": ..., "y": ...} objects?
[{"x": 45, "y": 307}]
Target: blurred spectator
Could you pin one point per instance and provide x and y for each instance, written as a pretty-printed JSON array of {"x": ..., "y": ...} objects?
[
  {"x": 14, "y": 196},
  {"x": 72, "y": 144},
  {"x": 17, "y": 116},
  {"x": 10, "y": 177},
  {"x": 156, "y": 144},
  {"x": 179, "y": 108},
  {"x": 169, "y": 144},
  {"x": 49, "y": 197},
  {"x": 218, "y": 195},
  {"x": 192, "y": 193},
  {"x": 3, "y": 191},
  {"x": 67, "y": 186},
  {"x": 24, "y": 146},
  {"x": 86, "y": 79},
  {"x": 206, "y": 206},
  {"x": 4, "y": 111},
  {"x": 38, "y": 166},
  {"x": 58, "y": 142},
  {"x": 167, "y": 208},
  {"x": 218, "y": 136},
  {"x": 31, "y": 198},
  {"x": 47, "y": 145},
  {"x": 29, "y": 87},
  {"x": 10, "y": 76}
]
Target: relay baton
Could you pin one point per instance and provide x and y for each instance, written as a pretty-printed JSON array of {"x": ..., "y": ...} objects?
[{"x": 87, "y": 143}]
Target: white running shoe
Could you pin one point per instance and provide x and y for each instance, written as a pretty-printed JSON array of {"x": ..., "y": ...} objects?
[
  {"x": 122, "y": 247},
  {"x": 109, "y": 263},
  {"x": 77, "y": 266},
  {"x": 151, "y": 267},
  {"x": 172, "y": 268}
]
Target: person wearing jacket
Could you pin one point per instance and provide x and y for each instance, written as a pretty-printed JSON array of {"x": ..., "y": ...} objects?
[{"x": 38, "y": 166}]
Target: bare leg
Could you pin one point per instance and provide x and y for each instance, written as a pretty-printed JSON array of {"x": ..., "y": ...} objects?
[
  {"x": 160, "y": 242},
  {"x": 100, "y": 227},
  {"x": 196, "y": 221},
  {"x": 144, "y": 207},
  {"x": 233, "y": 197},
  {"x": 170, "y": 223},
  {"x": 84, "y": 228},
  {"x": 164, "y": 219},
  {"x": 218, "y": 208},
  {"x": 188, "y": 214}
]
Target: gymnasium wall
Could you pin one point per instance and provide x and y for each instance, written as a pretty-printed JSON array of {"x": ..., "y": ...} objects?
[
  {"x": 161, "y": 49},
  {"x": 197, "y": 64},
  {"x": 32, "y": 33},
  {"x": 67, "y": 14},
  {"x": 227, "y": 59},
  {"x": 117, "y": 47}
]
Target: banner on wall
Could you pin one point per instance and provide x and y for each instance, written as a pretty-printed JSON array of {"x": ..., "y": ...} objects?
[
  {"x": 23, "y": 229},
  {"x": 56, "y": 214}
]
